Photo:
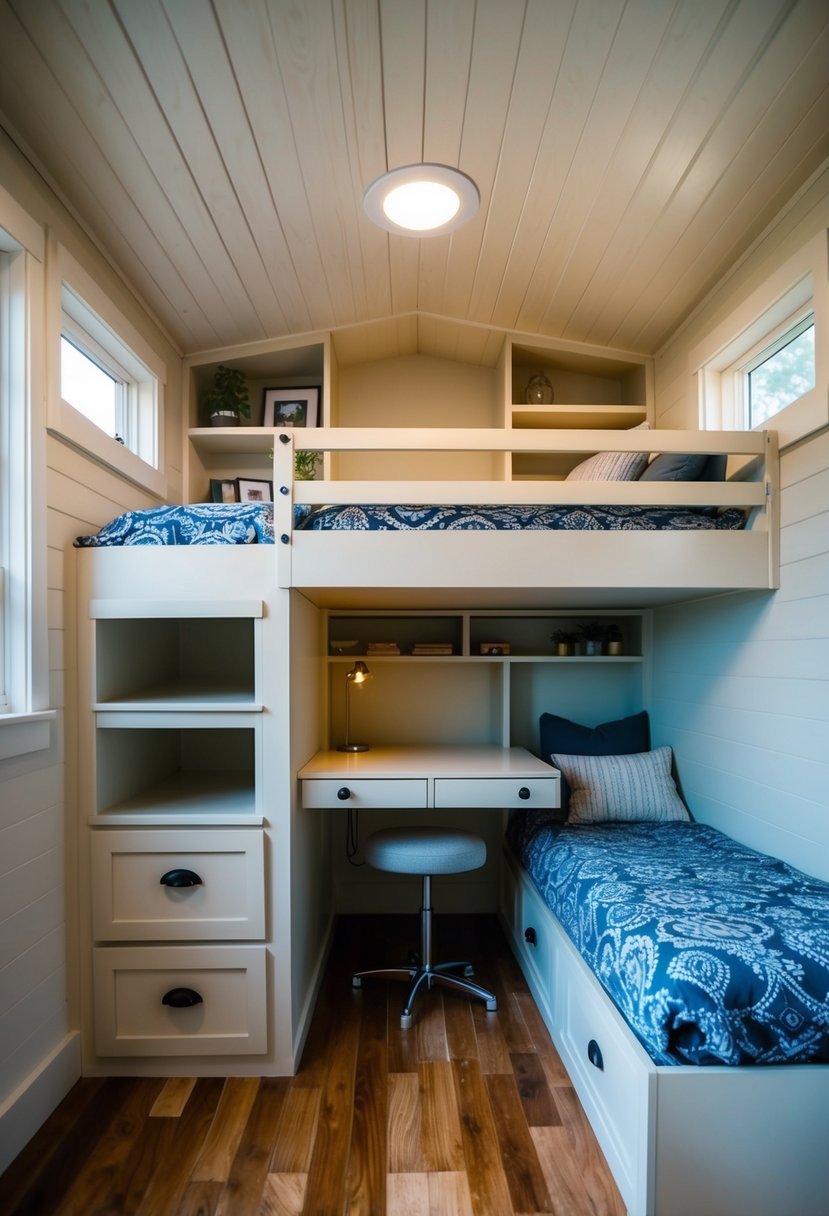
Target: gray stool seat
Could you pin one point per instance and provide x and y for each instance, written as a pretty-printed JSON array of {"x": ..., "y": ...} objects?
[{"x": 426, "y": 851}]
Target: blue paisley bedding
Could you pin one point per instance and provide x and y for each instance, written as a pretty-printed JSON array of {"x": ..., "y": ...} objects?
[
  {"x": 499, "y": 518},
  {"x": 197, "y": 524},
  {"x": 252, "y": 523},
  {"x": 714, "y": 953}
]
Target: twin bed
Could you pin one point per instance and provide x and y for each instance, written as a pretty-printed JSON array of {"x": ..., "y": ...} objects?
[{"x": 685, "y": 980}]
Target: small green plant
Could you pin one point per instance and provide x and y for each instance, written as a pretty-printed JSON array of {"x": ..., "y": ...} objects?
[
  {"x": 592, "y": 631},
  {"x": 229, "y": 394},
  {"x": 305, "y": 464},
  {"x": 564, "y": 637}
]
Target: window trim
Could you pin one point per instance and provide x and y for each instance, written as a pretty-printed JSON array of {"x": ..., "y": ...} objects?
[
  {"x": 73, "y": 291},
  {"x": 799, "y": 286},
  {"x": 25, "y": 724}
]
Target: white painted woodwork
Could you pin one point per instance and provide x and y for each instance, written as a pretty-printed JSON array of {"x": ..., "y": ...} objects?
[
  {"x": 131, "y": 1019},
  {"x": 679, "y": 1139},
  {"x": 130, "y": 902}
]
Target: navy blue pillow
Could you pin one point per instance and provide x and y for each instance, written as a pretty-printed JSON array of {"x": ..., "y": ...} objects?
[
  {"x": 675, "y": 466},
  {"x": 620, "y": 738}
]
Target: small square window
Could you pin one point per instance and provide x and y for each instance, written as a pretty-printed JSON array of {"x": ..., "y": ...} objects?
[{"x": 782, "y": 373}]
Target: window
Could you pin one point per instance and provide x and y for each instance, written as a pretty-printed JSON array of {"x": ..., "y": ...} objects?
[
  {"x": 108, "y": 392},
  {"x": 781, "y": 373},
  {"x": 763, "y": 366}
]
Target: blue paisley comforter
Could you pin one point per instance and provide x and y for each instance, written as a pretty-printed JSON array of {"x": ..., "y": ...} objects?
[
  {"x": 198, "y": 524},
  {"x": 714, "y": 953},
  {"x": 252, "y": 523},
  {"x": 511, "y": 518}
]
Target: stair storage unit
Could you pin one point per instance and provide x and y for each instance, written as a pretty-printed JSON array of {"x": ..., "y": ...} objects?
[{"x": 185, "y": 804}]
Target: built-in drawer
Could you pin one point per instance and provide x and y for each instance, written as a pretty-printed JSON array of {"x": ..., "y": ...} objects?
[
  {"x": 608, "y": 1068},
  {"x": 535, "y": 939},
  {"x": 537, "y": 792},
  {"x": 318, "y": 793},
  {"x": 165, "y": 884},
  {"x": 180, "y": 1000}
]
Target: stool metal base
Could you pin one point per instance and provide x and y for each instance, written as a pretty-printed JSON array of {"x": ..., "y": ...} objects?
[{"x": 427, "y": 973}]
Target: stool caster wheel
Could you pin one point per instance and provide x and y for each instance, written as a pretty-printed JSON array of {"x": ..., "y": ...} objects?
[
  {"x": 405, "y": 1021},
  {"x": 469, "y": 971},
  {"x": 356, "y": 982}
]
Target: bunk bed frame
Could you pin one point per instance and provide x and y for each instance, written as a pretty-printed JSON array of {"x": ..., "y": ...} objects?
[
  {"x": 527, "y": 568},
  {"x": 679, "y": 1140}
]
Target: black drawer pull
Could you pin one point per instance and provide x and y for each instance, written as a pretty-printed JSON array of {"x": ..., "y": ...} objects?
[
  {"x": 343, "y": 793},
  {"x": 180, "y": 878},
  {"x": 530, "y": 936},
  {"x": 524, "y": 793},
  {"x": 182, "y": 998},
  {"x": 594, "y": 1054}
]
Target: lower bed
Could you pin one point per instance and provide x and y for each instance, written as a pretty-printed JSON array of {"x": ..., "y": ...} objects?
[{"x": 659, "y": 955}]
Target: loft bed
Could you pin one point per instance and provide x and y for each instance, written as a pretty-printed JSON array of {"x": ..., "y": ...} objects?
[
  {"x": 588, "y": 541},
  {"x": 535, "y": 542}
]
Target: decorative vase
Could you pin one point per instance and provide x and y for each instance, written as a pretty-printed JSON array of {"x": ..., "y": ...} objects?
[
  {"x": 592, "y": 648},
  {"x": 539, "y": 391},
  {"x": 614, "y": 647}
]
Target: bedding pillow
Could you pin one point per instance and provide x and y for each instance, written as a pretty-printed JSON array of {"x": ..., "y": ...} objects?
[
  {"x": 675, "y": 466},
  {"x": 685, "y": 466},
  {"x": 615, "y": 738},
  {"x": 612, "y": 466},
  {"x": 622, "y": 789}
]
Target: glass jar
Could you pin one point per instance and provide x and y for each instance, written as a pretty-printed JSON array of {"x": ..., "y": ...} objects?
[{"x": 539, "y": 391}]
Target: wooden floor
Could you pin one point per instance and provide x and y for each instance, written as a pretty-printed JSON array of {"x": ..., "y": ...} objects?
[{"x": 467, "y": 1112}]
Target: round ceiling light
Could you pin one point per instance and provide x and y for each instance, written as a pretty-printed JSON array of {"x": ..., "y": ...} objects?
[{"x": 421, "y": 200}]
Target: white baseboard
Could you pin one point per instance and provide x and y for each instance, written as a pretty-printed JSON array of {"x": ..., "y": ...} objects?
[{"x": 30, "y": 1105}]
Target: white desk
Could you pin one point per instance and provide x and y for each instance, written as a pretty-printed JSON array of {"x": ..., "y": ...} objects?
[{"x": 391, "y": 777}]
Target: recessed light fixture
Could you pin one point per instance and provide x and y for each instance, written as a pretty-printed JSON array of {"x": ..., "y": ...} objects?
[{"x": 421, "y": 200}]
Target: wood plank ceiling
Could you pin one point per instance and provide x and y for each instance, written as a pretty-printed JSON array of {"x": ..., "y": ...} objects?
[{"x": 626, "y": 151}]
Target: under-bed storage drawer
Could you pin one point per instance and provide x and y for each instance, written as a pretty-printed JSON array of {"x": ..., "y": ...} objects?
[
  {"x": 180, "y": 1000},
  {"x": 183, "y": 884},
  {"x": 610, "y": 1072},
  {"x": 534, "y": 940}
]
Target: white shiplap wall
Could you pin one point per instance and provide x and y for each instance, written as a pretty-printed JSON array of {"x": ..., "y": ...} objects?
[
  {"x": 39, "y": 1058},
  {"x": 741, "y": 683}
]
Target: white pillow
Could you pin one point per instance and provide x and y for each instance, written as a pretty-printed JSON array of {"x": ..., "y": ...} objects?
[
  {"x": 626, "y": 789},
  {"x": 612, "y": 466}
]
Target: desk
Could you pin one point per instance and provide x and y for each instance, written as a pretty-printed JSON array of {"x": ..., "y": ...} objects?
[{"x": 420, "y": 777}]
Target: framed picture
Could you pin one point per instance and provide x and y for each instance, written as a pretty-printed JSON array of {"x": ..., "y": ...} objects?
[
  {"x": 291, "y": 406},
  {"x": 252, "y": 489},
  {"x": 223, "y": 489}
]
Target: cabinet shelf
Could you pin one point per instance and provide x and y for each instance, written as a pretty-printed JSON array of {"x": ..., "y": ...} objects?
[
  {"x": 207, "y": 696},
  {"x": 224, "y": 797}
]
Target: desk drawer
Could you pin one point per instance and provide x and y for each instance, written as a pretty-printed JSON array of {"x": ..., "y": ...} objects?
[
  {"x": 536, "y": 792},
  {"x": 362, "y": 792},
  {"x": 130, "y": 902},
  {"x": 131, "y": 1018}
]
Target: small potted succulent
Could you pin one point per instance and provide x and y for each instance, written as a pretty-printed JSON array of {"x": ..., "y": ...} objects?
[
  {"x": 227, "y": 401},
  {"x": 613, "y": 639},
  {"x": 564, "y": 640},
  {"x": 592, "y": 635}
]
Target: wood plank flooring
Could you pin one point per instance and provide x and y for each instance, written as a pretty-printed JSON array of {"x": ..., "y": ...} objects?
[{"x": 466, "y": 1113}]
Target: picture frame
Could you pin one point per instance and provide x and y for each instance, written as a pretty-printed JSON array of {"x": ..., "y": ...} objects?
[
  {"x": 223, "y": 489},
  {"x": 291, "y": 406},
  {"x": 254, "y": 489}
]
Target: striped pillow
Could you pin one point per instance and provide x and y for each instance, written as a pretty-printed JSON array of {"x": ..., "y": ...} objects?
[
  {"x": 633, "y": 788},
  {"x": 612, "y": 466}
]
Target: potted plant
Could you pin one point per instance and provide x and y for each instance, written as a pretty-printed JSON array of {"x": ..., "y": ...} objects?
[
  {"x": 564, "y": 640},
  {"x": 592, "y": 634},
  {"x": 613, "y": 639},
  {"x": 227, "y": 401},
  {"x": 305, "y": 464}
]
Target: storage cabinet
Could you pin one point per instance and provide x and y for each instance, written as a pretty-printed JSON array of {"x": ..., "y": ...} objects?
[{"x": 172, "y": 801}]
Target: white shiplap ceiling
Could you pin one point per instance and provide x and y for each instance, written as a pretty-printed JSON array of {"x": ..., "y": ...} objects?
[{"x": 626, "y": 151}]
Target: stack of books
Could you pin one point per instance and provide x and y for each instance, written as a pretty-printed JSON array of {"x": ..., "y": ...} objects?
[
  {"x": 433, "y": 648},
  {"x": 382, "y": 648}
]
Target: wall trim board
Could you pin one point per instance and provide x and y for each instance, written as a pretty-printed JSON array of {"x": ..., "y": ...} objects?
[{"x": 31, "y": 1104}]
